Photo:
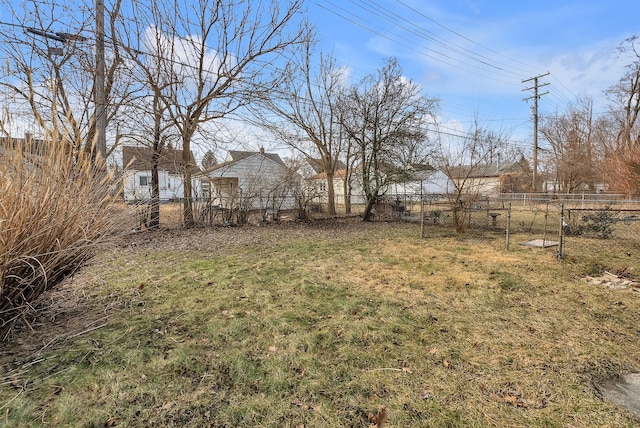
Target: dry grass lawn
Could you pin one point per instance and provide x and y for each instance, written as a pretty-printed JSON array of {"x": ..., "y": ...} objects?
[{"x": 331, "y": 324}]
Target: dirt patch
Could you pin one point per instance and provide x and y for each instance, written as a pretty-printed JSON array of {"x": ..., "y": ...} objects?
[
  {"x": 217, "y": 239},
  {"x": 614, "y": 282},
  {"x": 624, "y": 391},
  {"x": 67, "y": 311}
]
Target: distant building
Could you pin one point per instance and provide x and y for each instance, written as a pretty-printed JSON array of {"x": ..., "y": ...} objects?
[
  {"x": 486, "y": 179},
  {"x": 251, "y": 181},
  {"x": 137, "y": 163},
  {"x": 421, "y": 179}
]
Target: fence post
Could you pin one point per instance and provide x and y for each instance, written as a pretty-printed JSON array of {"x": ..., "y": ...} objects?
[
  {"x": 421, "y": 218},
  {"x": 561, "y": 237},
  {"x": 508, "y": 231}
]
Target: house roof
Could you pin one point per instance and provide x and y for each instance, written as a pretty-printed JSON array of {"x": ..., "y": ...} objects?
[
  {"x": 318, "y": 167},
  {"x": 139, "y": 159},
  {"x": 340, "y": 173},
  {"x": 484, "y": 170},
  {"x": 236, "y": 155},
  {"x": 414, "y": 172},
  {"x": 29, "y": 143}
]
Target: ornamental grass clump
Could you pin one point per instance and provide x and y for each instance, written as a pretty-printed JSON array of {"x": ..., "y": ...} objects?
[{"x": 55, "y": 209}]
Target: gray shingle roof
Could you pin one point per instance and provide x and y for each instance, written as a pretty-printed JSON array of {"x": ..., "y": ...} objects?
[{"x": 139, "y": 158}]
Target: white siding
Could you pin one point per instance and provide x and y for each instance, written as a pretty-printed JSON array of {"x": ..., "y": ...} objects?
[
  {"x": 436, "y": 183},
  {"x": 260, "y": 179},
  {"x": 171, "y": 185}
]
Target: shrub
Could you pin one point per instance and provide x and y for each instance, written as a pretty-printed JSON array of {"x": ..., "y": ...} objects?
[
  {"x": 54, "y": 212},
  {"x": 598, "y": 224}
]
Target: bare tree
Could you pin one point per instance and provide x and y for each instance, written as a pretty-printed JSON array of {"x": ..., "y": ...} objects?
[
  {"x": 465, "y": 159},
  {"x": 303, "y": 191},
  {"x": 151, "y": 112},
  {"x": 573, "y": 154},
  {"x": 385, "y": 116},
  {"x": 209, "y": 159},
  {"x": 217, "y": 56},
  {"x": 623, "y": 156},
  {"x": 625, "y": 97},
  {"x": 306, "y": 104},
  {"x": 49, "y": 69}
]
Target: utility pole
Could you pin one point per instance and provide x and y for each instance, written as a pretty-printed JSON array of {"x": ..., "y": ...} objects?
[
  {"x": 100, "y": 97},
  {"x": 536, "y": 96}
]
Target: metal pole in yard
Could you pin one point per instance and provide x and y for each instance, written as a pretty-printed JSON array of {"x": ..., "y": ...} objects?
[
  {"x": 508, "y": 231},
  {"x": 560, "y": 243},
  {"x": 421, "y": 218},
  {"x": 100, "y": 96},
  {"x": 546, "y": 217}
]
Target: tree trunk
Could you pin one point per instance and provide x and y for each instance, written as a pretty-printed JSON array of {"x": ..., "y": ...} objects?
[
  {"x": 188, "y": 201},
  {"x": 459, "y": 219},
  {"x": 347, "y": 195},
  {"x": 367, "y": 216},
  {"x": 331, "y": 195},
  {"x": 154, "y": 216}
]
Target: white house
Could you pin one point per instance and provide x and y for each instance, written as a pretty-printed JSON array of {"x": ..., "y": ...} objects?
[
  {"x": 137, "y": 173},
  {"x": 320, "y": 183},
  {"x": 416, "y": 180},
  {"x": 421, "y": 179},
  {"x": 252, "y": 181},
  {"x": 487, "y": 179}
]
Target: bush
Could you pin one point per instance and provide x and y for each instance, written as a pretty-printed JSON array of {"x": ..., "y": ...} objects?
[
  {"x": 598, "y": 224},
  {"x": 54, "y": 212}
]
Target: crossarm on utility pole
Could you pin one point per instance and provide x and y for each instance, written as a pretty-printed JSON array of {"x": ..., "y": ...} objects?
[{"x": 535, "y": 97}]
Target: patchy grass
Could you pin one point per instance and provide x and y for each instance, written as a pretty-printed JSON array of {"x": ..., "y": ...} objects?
[{"x": 325, "y": 326}]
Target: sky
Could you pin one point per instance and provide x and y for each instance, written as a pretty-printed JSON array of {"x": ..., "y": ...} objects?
[{"x": 473, "y": 55}]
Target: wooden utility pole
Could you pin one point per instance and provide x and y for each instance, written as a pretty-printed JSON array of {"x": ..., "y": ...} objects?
[
  {"x": 100, "y": 97},
  {"x": 536, "y": 96}
]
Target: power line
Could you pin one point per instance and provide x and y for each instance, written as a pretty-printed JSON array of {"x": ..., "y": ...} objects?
[
  {"x": 389, "y": 17},
  {"x": 460, "y": 35},
  {"x": 430, "y": 53}
]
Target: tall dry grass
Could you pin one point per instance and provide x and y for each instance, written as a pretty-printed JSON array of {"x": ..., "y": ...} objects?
[{"x": 55, "y": 209}]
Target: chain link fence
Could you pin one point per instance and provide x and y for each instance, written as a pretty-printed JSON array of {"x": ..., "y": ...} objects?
[{"x": 578, "y": 226}]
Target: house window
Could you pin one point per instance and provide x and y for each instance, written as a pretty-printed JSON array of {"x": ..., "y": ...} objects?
[
  {"x": 323, "y": 186},
  {"x": 144, "y": 180}
]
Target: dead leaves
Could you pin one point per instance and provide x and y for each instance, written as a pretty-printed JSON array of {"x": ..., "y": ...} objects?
[
  {"x": 514, "y": 400},
  {"x": 447, "y": 364},
  {"x": 112, "y": 422},
  {"x": 379, "y": 419},
  {"x": 512, "y": 397}
]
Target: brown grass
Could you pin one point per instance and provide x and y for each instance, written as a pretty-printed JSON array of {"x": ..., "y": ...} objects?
[
  {"x": 55, "y": 210},
  {"x": 337, "y": 323}
]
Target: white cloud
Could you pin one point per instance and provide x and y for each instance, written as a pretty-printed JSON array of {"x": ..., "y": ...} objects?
[{"x": 184, "y": 54}]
